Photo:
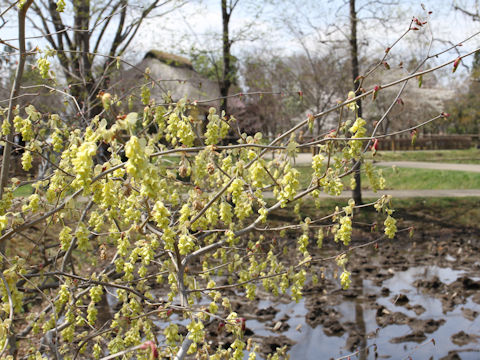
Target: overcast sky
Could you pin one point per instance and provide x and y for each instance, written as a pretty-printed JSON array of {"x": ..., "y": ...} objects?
[
  {"x": 276, "y": 27},
  {"x": 198, "y": 22}
]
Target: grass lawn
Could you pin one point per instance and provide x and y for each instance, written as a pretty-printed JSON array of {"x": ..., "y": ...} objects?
[
  {"x": 470, "y": 156},
  {"x": 419, "y": 179},
  {"x": 413, "y": 179},
  {"x": 460, "y": 212},
  {"x": 24, "y": 190},
  {"x": 398, "y": 179},
  {"x": 27, "y": 190}
]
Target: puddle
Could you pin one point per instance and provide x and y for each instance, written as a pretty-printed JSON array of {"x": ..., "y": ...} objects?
[
  {"x": 417, "y": 319},
  {"x": 394, "y": 308},
  {"x": 406, "y": 278},
  {"x": 359, "y": 318}
]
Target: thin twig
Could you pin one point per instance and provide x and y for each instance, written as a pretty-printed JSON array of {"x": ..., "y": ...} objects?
[{"x": 10, "y": 337}]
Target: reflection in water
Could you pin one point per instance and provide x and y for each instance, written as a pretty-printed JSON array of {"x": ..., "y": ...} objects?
[
  {"x": 359, "y": 319},
  {"x": 311, "y": 343}
]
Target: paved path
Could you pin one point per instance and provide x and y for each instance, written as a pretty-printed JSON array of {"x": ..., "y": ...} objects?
[
  {"x": 366, "y": 194},
  {"x": 431, "y": 165},
  {"x": 306, "y": 158}
]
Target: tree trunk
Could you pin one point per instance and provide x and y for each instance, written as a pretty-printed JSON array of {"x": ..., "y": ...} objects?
[
  {"x": 82, "y": 67},
  {"x": 357, "y": 192},
  {"x": 6, "y": 162},
  {"x": 360, "y": 326},
  {"x": 226, "y": 80},
  {"x": 4, "y": 176}
]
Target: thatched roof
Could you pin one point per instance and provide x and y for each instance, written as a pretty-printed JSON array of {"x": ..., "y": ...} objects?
[
  {"x": 170, "y": 59},
  {"x": 174, "y": 74}
]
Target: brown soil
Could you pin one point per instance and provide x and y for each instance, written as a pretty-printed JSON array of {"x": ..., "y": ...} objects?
[
  {"x": 378, "y": 265},
  {"x": 461, "y": 338}
]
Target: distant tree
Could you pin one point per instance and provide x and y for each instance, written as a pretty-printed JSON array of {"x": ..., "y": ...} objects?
[
  {"x": 290, "y": 87},
  {"x": 353, "y": 40},
  {"x": 228, "y": 6},
  {"x": 86, "y": 38},
  {"x": 465, "y": 107},
  {"x": 218, "y": 61},
  {"x": 276, "y": 100},
  {"x": 210, "y": 64},
  {"x": 466, "y": 8},
  {"x": 343, "y": 38}
]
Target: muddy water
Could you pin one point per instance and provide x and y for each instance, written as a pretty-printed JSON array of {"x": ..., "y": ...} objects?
[
  {"x": 417, "y": 298},
  {"x": 417, "y": 317}
]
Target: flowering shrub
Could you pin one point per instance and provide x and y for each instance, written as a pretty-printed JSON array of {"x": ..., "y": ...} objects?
[
  {"x": 153, "y": 235},
  {"x": 152, "y": 223}
]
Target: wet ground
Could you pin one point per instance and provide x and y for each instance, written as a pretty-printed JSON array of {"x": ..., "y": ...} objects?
[
  {"x": 410, "y": 298},
  {"x": 417, "y": 298}
]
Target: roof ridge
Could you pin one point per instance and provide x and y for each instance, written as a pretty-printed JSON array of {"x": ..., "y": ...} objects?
[{"x": 170, "y": 59}]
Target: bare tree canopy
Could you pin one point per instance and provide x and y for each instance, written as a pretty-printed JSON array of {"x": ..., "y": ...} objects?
[{"x": 87, "y": 37}]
